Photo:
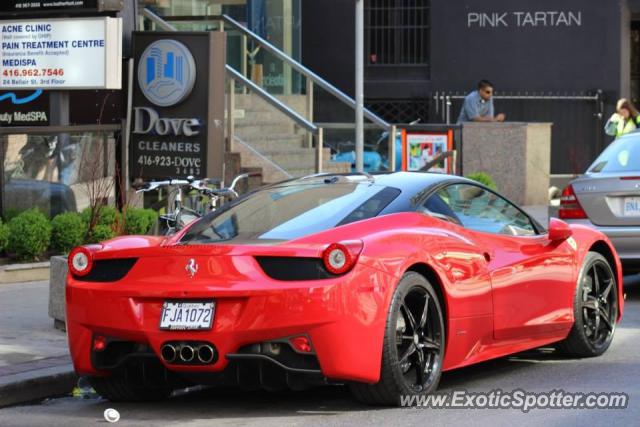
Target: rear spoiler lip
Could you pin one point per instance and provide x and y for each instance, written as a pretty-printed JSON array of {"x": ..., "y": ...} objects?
[{"x": 284, "y": 249}]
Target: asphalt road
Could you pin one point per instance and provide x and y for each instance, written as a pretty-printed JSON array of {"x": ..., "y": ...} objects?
[{"x": 538, "y": 371}]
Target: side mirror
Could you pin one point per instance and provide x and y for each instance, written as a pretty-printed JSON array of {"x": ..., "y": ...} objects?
[{"x": 559, "y": 230}]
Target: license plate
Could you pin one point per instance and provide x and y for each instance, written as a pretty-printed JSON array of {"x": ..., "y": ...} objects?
[
  {"x": 187, "y": 315},
  {"x": 631, "y": 206}
]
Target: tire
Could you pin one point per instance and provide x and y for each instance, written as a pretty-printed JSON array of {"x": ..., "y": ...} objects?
[
  {"x": 595, "y": 309},
  {"x": 421, "y": 350},
  {"x": 117, "y": 388}
]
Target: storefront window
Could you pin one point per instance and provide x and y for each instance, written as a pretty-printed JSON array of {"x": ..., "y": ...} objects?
[
  {"x": 279, "y": 22},
  {"x": 57, "y": 173},
  {"x": 397, "y": 32}
]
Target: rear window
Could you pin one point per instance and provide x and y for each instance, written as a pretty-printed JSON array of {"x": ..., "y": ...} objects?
[
  {"x": 621, "y": 156},
  {"x": 291, "y": 211}
]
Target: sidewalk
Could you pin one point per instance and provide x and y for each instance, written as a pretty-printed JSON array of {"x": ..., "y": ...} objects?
[{"x": 34, "y": 359}]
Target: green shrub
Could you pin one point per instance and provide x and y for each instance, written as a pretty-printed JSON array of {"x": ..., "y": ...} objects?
[
  {"x": 107, "y": 215},
  {"x": 106, "y": 225},
  {"x": 100, "y": 233},
  {"x": 67, "y": 231},
  {"x": 483, "y": 178},
  {"x": 10, "y": 213},
  {"x": 29, "y": 235},
  {"x": 139, "y": 221},
  {"x": 4, "y": 235}
]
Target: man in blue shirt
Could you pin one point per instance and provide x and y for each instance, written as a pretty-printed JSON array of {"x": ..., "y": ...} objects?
[{"x": 478, "y": 105}]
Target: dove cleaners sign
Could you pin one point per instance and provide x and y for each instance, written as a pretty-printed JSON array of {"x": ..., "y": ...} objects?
[
  {"x": 74, "y": 53},
  {"x": 178, "y": 106}
]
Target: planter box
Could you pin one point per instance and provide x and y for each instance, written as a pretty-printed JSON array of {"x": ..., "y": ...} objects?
[
  {"x": 57, "y": 290},
  {"x": 16, "y": 273},
  {"x": 516, "y": 155}
]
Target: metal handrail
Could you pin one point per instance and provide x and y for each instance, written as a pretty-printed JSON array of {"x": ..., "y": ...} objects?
[
  {"x": 275, "y": 102},
  {"x": 158, "y": 20},
  {"x": 536, "y": 97},
  {"x": 346, "y": 126},
  {"x": 443, "y": 100},
  {"x": 262, "y": 156},
  {"x": 346, "y": 99}
]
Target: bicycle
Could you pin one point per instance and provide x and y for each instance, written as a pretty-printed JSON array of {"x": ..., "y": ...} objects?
[{"x": 181, "y": 215}]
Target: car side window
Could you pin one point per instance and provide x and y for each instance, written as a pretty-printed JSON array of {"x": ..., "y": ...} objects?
[
  {"x": 439, "y": 208},
  {"x": 477, "y": 209}
]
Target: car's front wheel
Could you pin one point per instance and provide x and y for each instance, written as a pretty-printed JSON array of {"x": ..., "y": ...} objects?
[
  {"x": 413, "y": 347},
  {"x": 595, "y": 309}
]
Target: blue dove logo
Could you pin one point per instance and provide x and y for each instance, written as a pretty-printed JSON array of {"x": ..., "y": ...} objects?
[{"x": 166, "y": 72}]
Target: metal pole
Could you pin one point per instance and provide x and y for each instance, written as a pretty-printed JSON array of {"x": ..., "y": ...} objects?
[
  {"x": 359, "y": 85},
  {"x": 231, "y": 109},
  {"x": 320, "y": 151},
  {"x": 392, "y": 148},
  {"x": 310, "y": 108},
  {"x": 243, "y": 61},
  {"x": 127, "y": 132}
]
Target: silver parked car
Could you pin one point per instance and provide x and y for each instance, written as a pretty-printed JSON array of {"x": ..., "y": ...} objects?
[{"x": 607, "y": 197}]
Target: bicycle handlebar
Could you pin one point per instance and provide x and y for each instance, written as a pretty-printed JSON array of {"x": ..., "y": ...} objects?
[
  {"x": 241, "y": 177},
  {"x": 198, "y": 185}
]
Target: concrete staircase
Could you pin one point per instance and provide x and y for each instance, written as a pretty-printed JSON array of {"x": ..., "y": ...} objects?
[{"x": 269, "y": 140}]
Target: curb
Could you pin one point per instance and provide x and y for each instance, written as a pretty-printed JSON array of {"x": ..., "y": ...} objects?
[
  {"x": 21, "y": 273},
  {"x": 36, "y": 384}
]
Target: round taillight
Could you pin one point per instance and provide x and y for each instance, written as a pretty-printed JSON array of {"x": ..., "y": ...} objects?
[
  {"x": 80, "y": 261},
  {"x": 337, "y": 259}
]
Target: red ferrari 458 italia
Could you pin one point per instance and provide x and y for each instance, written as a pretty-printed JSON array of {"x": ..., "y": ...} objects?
[{"x": 380, "y": 282}]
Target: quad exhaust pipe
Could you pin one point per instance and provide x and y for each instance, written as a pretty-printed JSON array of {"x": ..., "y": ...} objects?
[
  {"x": 169, "y": 353},
  {"x": 188, "y": 353},
  {"x": 206, "y": 353}
]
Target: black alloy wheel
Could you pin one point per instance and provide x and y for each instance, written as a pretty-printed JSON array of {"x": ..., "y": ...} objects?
[
  {"x": 599, "y": 303},
  {"x": 414, "y": 344},
  {"x": 595, "y": 309},
  {"x": 418, "y": 339}
]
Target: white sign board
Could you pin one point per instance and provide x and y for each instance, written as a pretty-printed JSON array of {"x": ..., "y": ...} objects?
[
  {"x": 61, "y": 54},
  {"x": 422, "y": 148}
]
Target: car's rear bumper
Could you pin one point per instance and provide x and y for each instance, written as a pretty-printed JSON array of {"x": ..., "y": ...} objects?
[
  {"x": 626, "y": 240},
  {"x": 343, "y": 317}
]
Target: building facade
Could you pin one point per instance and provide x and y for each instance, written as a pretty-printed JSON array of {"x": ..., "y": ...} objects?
[
  {"x": 565, "y": 62},
  {"x": 583, "y": 53}
]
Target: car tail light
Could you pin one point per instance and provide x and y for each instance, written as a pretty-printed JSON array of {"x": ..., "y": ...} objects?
[
  {"x": 570, "y": 206},
  {"x": 99, "y": 343},
  {"x": 80, "y": 261},
  {"x": 301, "y": 344},
  {"x": 339, "y": 258}
]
